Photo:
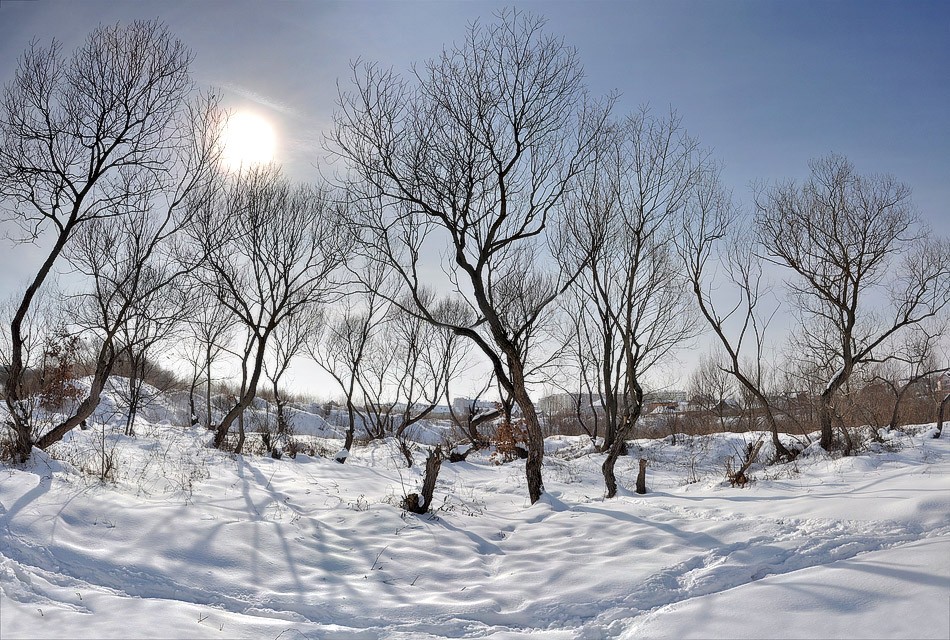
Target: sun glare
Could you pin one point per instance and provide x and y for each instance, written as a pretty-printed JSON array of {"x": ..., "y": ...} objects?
[{"x": 248, "y": 140}]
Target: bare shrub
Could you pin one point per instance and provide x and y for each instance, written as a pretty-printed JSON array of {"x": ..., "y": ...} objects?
[
  {"x": 60, "y": 357},
  {"x": 509, "y": 441},
  {"x": 737, "y": 468}
]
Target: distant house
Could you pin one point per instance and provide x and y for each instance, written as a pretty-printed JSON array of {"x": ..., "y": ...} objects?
[
  {"x": 658, "y": 408},
  {"x": 943, "y": 381}
]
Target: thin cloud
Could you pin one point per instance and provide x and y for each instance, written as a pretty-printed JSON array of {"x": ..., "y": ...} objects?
[{"x": 264, "y": 101}]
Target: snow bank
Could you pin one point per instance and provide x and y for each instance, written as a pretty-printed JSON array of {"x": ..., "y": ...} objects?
[{"x": 184, "y": 541}]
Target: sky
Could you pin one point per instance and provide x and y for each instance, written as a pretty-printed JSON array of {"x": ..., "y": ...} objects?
[{"x": 767, "y": 85}]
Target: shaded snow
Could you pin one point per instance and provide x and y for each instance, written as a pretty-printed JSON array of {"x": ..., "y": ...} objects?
[{"x": 188, "y": 542}]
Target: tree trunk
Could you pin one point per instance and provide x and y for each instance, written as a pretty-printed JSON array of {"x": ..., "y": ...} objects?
[
  {"x": 474, "y": 422},
  {"x": 350, "y": 429},
  {"x": 433, "y": 464},
  {"x": 535, "y": 437},
  {"x": 895, "y": 415},
  {"x": 616, "y": 450},
  {"x": 611, "y": 426},
  {"x": 208, "y": 423},
  {"x": 87, "y": 406},
  {"x": 642, "y": 477},
  {"x": 940, "y": 414},
  {"x": 632, "y": 414},
  {"x": 826, "y": 415},
  {"x": 193, "y": 418},
  {"x": 826, "y": 412},
  {"x": 239, "y": 448},
  {"x": 279, "y": 407},
  {"x": 247, "y": 397},
  {"x": 610, "y": 479},
  {"x": 738, "y": 477},
  {"x": 781, "y": 451},
  {"x": 135, "y": 388},
  {"x": 23, "y": 444}
]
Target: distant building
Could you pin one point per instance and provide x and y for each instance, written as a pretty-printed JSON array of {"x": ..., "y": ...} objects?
[
  {"x": 570, "y": 403},
  {"x": 667, "y": 396},
  {"x": 462, "y": 405},
  {"x": 440, "y": 411},
  {"x": 943, "y": 381}
]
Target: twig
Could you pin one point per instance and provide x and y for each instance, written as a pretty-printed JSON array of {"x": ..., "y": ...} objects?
[{"x": 377, "y": 557}]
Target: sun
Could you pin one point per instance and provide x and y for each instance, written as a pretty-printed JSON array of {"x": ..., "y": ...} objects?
[{"x": 248, "y": 140}]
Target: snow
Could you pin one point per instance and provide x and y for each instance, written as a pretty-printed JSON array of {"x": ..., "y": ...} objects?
[
  {"x": 187, "y": 542},
  {"x": 834, "y": 378},
  {"x": 881, "y": 594}
]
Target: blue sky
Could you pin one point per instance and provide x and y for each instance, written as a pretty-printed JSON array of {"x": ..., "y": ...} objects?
[{"x": 767, "y": 84}]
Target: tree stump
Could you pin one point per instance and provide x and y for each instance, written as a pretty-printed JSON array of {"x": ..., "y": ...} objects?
[
  {"x": 642, "y": 477},
  {"x": 420, "y": 504}
]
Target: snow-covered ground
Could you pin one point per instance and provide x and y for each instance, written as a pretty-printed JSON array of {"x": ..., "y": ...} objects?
[{"x": 187, "y": 542}]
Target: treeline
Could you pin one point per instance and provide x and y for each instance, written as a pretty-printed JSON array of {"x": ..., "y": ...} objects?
[{"x": 572, "y": 244}]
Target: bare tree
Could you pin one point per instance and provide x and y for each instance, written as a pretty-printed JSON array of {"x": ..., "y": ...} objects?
[
  {"x": 94, "y": 138},
  {"x": 153, "y": 320},
  {"x": 272, "y": 251},
  {"x": 427, "y": 358},
  {"x": 622, "y": 235},
  {"x": 913, "y": 362},
  {"x": 288, "y": 342},
  {"x": 581, "y": 364},
  {"x": 244, "y": 351},
  {"x": 406, "y": 368},
  {"x": 53, "y": 357},
  {"x": 422, "y": 502},
  {"x": 473, "y": 153},
  {"x": 715, "y": 243},
  {"x": 711, "y": 387},
  {"x": 132, "y": 264},
  {"x": 851, "y": 240},
  {"x": 209, "y": 330},
  {"x": 342, "y": 350}
]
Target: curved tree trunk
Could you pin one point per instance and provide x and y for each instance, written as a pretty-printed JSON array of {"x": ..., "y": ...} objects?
[
  {"x": 535, "y": 443},
  {"x": 826, "y": 411},
  {"x": 350, "y": 429},
  {"x": 616, "y": 450},
  {"x": 246, "y": 398},
  {"x": 632, "y": 414},
  {"x": 895, "y": 415},
  {"x": 533, "y": 426},
  {"x": 87, "y": 406},
  {"x": 239, "y": 447},
  {"x": 23, "y": 444}
]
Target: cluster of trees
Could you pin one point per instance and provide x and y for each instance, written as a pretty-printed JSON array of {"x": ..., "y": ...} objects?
[{"x": 564, "y": 235}]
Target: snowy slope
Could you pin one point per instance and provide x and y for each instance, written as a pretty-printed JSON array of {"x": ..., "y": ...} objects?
[{"x": 187, "y": 542}]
